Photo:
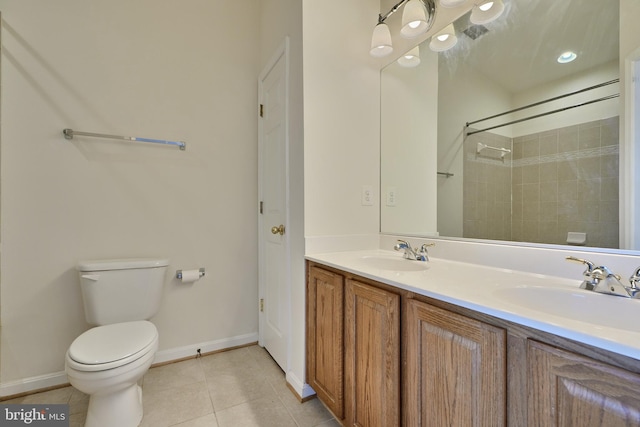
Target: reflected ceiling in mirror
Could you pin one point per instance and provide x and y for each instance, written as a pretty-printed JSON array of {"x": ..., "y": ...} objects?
[{"x": 540, "y": 180}]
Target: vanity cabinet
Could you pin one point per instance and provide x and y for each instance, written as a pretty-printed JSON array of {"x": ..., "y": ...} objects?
[
  {"x": 378, "y": 355},
  {"x": 372, "y": 356},
  {"x": 455, "y": 371},
  {"x": 567, "y": 389},
  {"x": 353, "y": 348},
  {"x": 325, "y": 332}
]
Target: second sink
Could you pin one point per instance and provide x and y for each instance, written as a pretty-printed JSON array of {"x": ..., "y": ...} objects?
[{"x": 585, "y": 306}]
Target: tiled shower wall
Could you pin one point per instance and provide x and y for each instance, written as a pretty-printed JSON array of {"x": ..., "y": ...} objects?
[
  {"x": 487, "y": 188},
  {"x": 558, "y": 181}
]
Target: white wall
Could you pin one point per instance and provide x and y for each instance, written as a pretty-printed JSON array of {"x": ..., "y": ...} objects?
[
  {"x": 409, "y": 135},
  {"x": 341, "y": 117},
  {"x": 173, "y": 70}
]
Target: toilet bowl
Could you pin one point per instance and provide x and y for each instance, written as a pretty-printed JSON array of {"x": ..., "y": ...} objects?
[{"x": 106, "y": 362}]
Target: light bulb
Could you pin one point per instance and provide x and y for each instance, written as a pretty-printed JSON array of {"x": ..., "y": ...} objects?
[
  {"x": 410, "y": 59},
  {"x": 486, "y": 12},
  {"x": 484, "y": 7},
  {"x": 445, "y": 39}
]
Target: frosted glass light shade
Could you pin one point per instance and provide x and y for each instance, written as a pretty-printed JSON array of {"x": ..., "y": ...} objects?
[
  {"x": 381, "y": 41},
  {"x": 410, "y": 59},
  {"x": 444, "y": 40},
  {"x": 486, "y": 11},
  {"x": 451, "y": 3},
  {"x": 414, "y": 19}
]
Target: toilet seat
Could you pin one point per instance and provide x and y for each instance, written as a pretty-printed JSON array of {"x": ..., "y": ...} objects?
[{"x": 111, "y": 346}]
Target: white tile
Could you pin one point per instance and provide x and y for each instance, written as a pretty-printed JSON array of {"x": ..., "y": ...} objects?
[
  {"x": 206, "y": 421},
  {"x": 264, "y": 412},
  {"x": 168, "y": 407},
  {"x": 173, "y": 375}
]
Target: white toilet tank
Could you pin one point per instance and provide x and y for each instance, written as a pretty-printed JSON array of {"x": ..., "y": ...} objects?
[{"x": 121, "y": 290}]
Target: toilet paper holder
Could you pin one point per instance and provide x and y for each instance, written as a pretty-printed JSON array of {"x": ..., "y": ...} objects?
[{"x": 179, "y": 273}]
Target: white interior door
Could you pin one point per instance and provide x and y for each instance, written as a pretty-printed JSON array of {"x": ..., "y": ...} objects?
[{"x": 273, "y": 252}]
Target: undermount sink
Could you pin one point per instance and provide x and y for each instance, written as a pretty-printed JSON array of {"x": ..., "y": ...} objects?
[
  {"x": 392, "y": 263},
  {"x": 585, "y": 306}
]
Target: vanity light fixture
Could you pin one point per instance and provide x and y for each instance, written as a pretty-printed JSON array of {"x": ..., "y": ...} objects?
[
  {"x": 410, "y": 59},
  {"x": 567, "y": 57},
  {"x": 486, "y": 11},
  {"x": 417, "y": 19},
  {"x": 445, "y": 39},
  {"x": 381, "y": 41},
  {"x": 452, "y": 3},
  {"x": 414, "y": 19}
]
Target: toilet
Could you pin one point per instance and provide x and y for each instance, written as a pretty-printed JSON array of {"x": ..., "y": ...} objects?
[{"x": 107, "y": 361}]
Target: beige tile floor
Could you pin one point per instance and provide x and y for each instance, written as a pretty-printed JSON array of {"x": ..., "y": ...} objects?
[{"x": 237, "y": 388}]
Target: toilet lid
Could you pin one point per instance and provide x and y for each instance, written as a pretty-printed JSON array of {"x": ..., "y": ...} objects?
[{"x": 110, "y": 343}]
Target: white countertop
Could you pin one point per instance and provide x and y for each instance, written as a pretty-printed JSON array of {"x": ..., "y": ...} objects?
[{"x": 604, "y": 321}]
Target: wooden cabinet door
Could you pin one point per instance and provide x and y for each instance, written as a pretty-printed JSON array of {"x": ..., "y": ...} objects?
[
  {"x": 455, "y": 372},
  {"x": 372, "y": 356},
  {"x": 325, "y": 357},
  {"x": 566, "y": 389}
]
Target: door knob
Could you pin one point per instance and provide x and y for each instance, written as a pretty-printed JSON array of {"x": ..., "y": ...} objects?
[{"x": 278, "y": 230}]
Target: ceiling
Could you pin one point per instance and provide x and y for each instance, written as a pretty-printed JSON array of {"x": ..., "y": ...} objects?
[{"x": 520, "y": 50}]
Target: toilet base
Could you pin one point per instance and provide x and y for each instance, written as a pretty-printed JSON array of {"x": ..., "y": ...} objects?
[{"x": 128, "y": 402}]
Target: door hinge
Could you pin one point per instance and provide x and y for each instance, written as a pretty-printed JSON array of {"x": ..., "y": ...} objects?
[
  {"x": 261, "y": 304},
  {"x": 261, "y": 206},
  {"x": 261, "y": 110}
]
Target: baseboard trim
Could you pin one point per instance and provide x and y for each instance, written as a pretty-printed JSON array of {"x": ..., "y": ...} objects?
[
  {"x": 303, "y": 390},
  {"x": 23, "y": 386},
  {"x": 56, "y": 379},
  {"x": 185, "y": 352}
]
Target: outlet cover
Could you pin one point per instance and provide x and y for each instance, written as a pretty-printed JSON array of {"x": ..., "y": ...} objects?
[
  {"x": 391, "y": 196},
  {"x": 367, "y": 195}
]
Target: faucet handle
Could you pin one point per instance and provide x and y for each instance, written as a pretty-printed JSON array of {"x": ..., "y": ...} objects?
[
  {"x": 423, "y": 253},
  {"x": 635, "y": 279},
  {"x": 590, "y": 282},
  {"x": 402, "y": 244},
  {"x": 589, "y": 264}
]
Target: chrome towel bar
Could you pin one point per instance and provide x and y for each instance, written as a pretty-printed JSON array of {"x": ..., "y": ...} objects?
[{"x": 70, "y": 133}]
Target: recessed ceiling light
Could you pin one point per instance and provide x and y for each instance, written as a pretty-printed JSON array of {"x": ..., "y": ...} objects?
[{"x": 567, "y": 57}]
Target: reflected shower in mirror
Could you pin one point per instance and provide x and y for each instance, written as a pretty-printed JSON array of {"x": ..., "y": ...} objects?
[{"x": 462, "y": 157}]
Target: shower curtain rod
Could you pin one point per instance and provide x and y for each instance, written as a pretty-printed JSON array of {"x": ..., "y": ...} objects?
[
  {"x": 535, "y": 104},
  {"x": 559, "y": 110}
]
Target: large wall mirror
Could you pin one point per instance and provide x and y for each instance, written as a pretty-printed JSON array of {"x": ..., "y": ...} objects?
[{"x": 496, "y": 139}]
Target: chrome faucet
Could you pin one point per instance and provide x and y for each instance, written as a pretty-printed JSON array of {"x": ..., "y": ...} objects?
[
  {"x": 602, "y": 280},
  {"x": 421, "y": 254},
  {"x": 634, "y": 290}
]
